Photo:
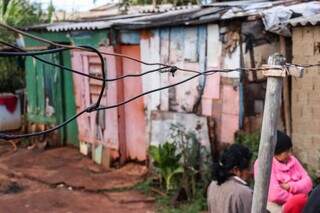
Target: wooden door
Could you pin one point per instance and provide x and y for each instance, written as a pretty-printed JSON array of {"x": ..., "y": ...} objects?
[{"x": 134, "y": 111}]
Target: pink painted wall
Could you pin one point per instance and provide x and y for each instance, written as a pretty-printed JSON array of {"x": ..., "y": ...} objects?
[
  {"x": 230, "y": 113},
  {"x": 211, "y": 91},
  {"x": 80, "y": 89},
  {"x": 87, "y": 91},
  {"x": 134, "y": 111}
]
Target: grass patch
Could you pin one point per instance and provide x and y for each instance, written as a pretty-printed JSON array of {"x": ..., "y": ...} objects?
[
  {"x": 164, "y": 202},
  {"x": 144, "y": 186},
  {"x": 196, "y": 205},
  {"x": 250, "y": 140}
]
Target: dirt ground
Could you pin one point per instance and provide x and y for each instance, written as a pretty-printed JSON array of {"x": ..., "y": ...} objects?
[{"x": 63, "y": 180}]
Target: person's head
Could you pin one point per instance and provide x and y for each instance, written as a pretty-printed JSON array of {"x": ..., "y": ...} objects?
[
  {"x": 234, "y": 161},
  {"x": 283, "y": 148}
]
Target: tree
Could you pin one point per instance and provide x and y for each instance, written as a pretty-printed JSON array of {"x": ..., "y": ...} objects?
[
  {"x": 51, "y": 11},
  {"x": 16, "y": 13}
]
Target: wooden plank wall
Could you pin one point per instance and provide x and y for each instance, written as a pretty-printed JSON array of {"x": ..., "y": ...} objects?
[
  {"x": 134, "y": 111},
  {"x": 197, "y": 48},
  {"x": 120, "y": 129}
]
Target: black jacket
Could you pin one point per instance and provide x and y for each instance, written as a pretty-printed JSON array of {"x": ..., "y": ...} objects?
[{"x": 313, "y": 204}]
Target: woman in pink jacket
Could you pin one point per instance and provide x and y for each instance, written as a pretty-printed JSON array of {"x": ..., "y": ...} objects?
[{"x": 288, "y": 177}]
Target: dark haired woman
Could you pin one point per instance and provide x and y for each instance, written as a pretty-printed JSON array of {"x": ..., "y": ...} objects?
[
  {"x": 229, "y": 192},
  {"x": 289, "y": 182}
]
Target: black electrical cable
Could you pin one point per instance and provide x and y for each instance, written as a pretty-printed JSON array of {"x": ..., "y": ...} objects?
[
  {"x": 303, "y": 65},
  {"x": 33, "y": 53},
  {"x": 103, "y": 72},
  {"x": 92, "y": 108},
  {"x": 96, "y": 106},
  {"x": 156, "y": 90},
  {"x": 89, "y": 109},
  {"x": 49, "y": 62},
  {"x": 146, "y": 93},
  {"x": 84, "y": 74},
  {"x": 119, "y": 55},
  {"x": 33, "y": 134},
  {"x": 74, "y": 47}
]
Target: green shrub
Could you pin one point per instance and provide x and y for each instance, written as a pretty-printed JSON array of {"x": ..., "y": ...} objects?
[
  {"x": 166, "y": 161},
  {"x": 251, "y": 140},
  {"x": 17, "y": 13},
  {"x": 11, "y": 74},
  {"x": 186, "y": 167}
]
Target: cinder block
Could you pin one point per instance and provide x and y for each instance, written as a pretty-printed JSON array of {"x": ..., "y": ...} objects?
[
  {"x": 97, "y": 153},
  {"x": 85, "y": 148},
  {"x": 315, "y": 110},
  {"x": 306, "y": 97},
  {"x": 106, "y": 158}
]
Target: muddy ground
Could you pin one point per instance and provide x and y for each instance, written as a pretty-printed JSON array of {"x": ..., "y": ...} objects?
[{"x": 63, "y": 180}]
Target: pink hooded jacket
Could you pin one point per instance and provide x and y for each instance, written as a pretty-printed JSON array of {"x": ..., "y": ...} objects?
[{"x": 293, "y": 174}]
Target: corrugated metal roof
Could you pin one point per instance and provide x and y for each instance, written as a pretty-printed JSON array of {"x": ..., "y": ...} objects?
[
  {"x": 185, "y": 15},
  {"x": 138, "y": 20},
  {"x": 164, "y": 8},
  {"x": 170, "y": 18},
  {"x": 234, "y": 3},
  {"x": 304, "y": 21},
  {"x": 95, "y": 25},
  {"x": 101, "y": 23},
  {"x": 254, "y": 8}
]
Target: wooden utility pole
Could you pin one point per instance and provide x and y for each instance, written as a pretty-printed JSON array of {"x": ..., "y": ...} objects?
[
  {"x": 275, "y": 71},
  {"x": 268, "y": 134}
]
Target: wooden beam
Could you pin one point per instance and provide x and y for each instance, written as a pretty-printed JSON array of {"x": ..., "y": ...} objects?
[
  {"x": 286, "y": 92},
  {"x": 121, "y": 110},
  {"x": 268, "y": 137}
]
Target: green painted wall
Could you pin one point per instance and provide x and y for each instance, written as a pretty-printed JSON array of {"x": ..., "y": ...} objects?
[
  {"x": 78, "y": 38},
  {"x": 36, "y": 72},
  {"x": 89, "y": 38},
  {"x": 52, "y": 36},
  {"x": 69, "y": 102}
]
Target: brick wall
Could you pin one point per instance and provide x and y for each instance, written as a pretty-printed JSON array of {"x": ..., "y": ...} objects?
[{"x": 306, "y": 97}]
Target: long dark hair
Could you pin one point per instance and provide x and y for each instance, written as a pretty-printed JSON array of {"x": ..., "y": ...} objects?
[{"x": 236, "y": 155}]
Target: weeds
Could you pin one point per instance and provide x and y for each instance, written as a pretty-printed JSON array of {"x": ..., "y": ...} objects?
[
  {"x": 198, "y": 204},
  {"x": 166, "y": 161},
  {"x": 183, "y": 170},
  {"x": 164, "y": 202},
  {"x": 250, "y": 140}
]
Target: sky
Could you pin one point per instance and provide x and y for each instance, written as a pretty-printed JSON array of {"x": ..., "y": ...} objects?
[{"x": 72, "y": 5}]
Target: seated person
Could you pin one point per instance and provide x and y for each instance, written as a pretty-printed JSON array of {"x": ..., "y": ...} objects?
[
  {"x": 313, "y": 203},
  {"x": 288, "y": 177},
  {"x": 229, "y": 192},
  {"x": 295, "y": 204}
]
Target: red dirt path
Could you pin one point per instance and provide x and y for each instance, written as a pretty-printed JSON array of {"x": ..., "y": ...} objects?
[{"x": 62, "y": 180}]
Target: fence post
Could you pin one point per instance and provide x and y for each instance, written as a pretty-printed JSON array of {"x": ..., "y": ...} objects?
[{"x": 268, "y": 134}]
